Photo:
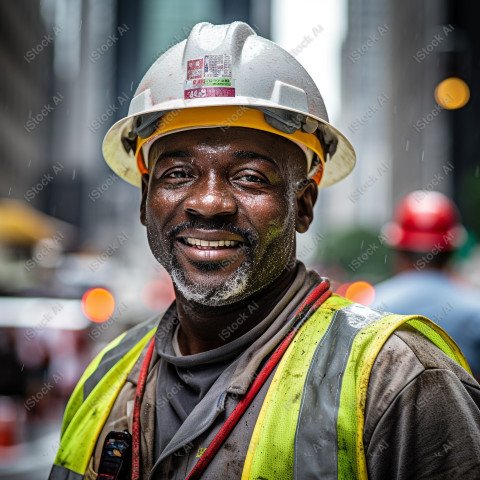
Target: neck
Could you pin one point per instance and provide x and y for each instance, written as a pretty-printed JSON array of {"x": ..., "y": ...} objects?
[{"x": 204, "y": 328}]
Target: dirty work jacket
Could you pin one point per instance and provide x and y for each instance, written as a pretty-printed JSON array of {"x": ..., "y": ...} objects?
[{"x": 309, "y": 420}]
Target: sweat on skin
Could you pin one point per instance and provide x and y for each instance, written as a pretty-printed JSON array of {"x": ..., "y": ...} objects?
[{"x": 235, "y": 185}]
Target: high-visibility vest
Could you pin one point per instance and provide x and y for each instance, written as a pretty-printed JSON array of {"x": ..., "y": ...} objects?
[{"x": 311, "y": 422}]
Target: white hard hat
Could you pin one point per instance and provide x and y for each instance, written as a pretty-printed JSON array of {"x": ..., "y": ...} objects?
[{"x": 258, "y": 85}]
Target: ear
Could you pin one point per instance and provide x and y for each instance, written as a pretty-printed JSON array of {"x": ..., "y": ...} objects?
[
  {"x": 306, "y": 197},
  {"x": 143, "y": 203}
]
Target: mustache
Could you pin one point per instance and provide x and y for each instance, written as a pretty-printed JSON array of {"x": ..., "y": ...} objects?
[{"x": 249, "y": 235}]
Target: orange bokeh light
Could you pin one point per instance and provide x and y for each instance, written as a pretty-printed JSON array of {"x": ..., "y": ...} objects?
[
  {"x": 452, "y": 93},
  {"x": 98, "y": 304},
  {"x": 361, "y": 292}
]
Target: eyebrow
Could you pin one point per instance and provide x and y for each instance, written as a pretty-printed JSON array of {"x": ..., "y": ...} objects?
[
  {"x": 173, "y": 154},
  {"x": 248, "y": 154},
  {"x": 170, "y": 154},
  {"x": 241, "y": 154}
]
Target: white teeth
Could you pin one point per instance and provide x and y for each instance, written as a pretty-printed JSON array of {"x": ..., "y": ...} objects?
[{"x": 210, "y": 243}]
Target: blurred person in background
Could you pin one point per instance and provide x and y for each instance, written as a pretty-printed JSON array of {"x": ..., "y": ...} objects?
[
  {"x": 425, "y": 233},
  {"x": 256, "y": 370}
]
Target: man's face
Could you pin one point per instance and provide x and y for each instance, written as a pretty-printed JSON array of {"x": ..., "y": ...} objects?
[{"x": 221, "y": 209}]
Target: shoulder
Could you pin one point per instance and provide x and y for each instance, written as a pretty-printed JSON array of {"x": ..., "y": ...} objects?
[
  {"x": 409, "y": 365},
  {"x": 422, "y": 416},
  {"x": 127, "y": 340},
  {"x": 113, "y": 352}
]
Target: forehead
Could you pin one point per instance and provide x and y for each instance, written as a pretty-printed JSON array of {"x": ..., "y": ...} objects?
[{"x": 228, "y": 139}]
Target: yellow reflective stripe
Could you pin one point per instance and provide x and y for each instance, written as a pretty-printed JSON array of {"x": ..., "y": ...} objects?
[
  {"x": 255, "y": 440},
  {"x": 76, "y": 398},
  {"x": 80, "y": 436},
  {"x": 270, "y": 452},
  {"x": 353, "y": 394},
  {"x": 441, "y": 339},
  {"x": 365, "y": 348}
]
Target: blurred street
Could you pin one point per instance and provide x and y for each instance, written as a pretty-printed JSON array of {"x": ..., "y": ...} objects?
[
  {"x": 401, "y": 79},
  {"x": 32, "y": 459}
]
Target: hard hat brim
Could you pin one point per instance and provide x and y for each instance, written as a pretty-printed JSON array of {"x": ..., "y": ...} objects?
[
  {"x": 423, "y": 242},
  {"x": 123, "y": 163}
]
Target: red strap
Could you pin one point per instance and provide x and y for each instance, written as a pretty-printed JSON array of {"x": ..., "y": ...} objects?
[
  {"x": 318, "y": 295},
  {"x": 142, "y": 379}
]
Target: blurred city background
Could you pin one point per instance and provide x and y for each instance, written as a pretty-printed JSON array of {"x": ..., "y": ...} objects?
[{"x": 400, "y": 79}]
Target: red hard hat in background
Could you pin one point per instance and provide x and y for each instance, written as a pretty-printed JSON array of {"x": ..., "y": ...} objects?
[{"x": 425, "y": 221}]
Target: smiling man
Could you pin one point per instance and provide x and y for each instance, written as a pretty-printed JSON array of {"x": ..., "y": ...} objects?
[
  {"x": 220, "y": 213},
  {"x": 256, "y": 371}
]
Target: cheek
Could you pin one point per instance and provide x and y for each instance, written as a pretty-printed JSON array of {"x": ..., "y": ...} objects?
[
  {"x": 274, "y": 221},
  {"x": 163, "y": 196},
  {"x": 162, "y": 204},
  {"x": 271, "y": 216}
]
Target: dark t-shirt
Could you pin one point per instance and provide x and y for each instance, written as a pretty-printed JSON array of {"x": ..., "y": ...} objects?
[{"x": 184, "y": 380}]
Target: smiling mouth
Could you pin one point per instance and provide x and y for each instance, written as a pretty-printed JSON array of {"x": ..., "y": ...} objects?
[{"x": 210, "y": 244}]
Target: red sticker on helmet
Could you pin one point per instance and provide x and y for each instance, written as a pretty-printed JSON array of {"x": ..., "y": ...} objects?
[{"x": 195, "y": 68}]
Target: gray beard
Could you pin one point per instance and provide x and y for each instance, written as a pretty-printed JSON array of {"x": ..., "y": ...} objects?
[
  {"x": 237, "y": 286},
  {"x": 233, "y": 290}
]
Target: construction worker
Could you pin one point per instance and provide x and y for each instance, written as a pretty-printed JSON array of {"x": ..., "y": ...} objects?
[
  {"x": 425, "y": 233},
  {"x": 257, "y": 370}
]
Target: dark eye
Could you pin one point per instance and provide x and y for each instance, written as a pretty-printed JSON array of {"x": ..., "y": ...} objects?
[
  {"x": 250, "y": 178},
  {"x": 176, "y": 174}
]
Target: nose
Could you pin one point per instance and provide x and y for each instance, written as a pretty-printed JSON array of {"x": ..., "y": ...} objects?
[{"x": 210, "y": 198}]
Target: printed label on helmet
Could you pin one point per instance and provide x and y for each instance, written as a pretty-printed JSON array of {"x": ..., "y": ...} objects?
[
  {"x": 210, "y": 76},
  {"x": 209, "y": 92},
  {"x": 209, "y": 82},
  {"x": 217, "y": 66}
]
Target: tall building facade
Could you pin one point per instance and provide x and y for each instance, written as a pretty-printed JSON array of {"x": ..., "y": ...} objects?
[{"x": 389, "y": 73}]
